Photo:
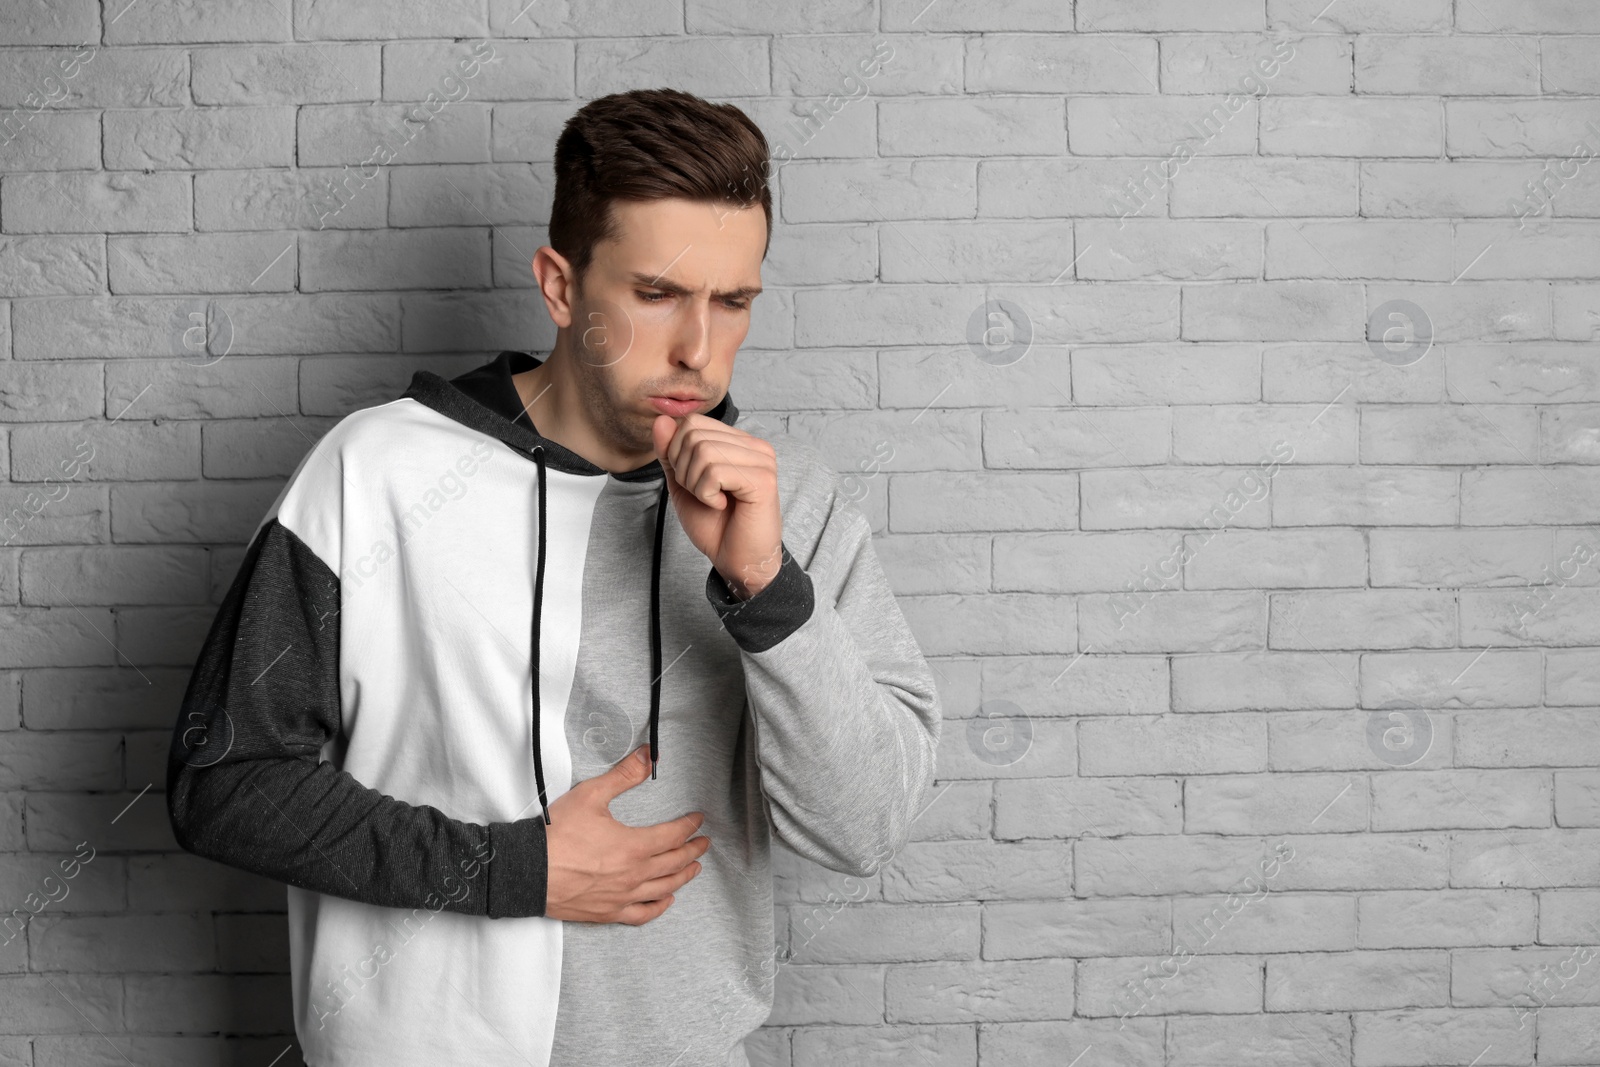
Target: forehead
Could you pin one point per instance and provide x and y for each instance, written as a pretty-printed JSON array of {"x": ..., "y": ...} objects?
[{"x": 693, "y": 240}]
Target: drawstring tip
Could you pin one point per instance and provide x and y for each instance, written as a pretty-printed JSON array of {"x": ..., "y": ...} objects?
[{"x": 652, "y": 770}]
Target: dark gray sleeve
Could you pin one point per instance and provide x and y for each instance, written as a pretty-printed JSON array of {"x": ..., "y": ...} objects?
[{"x": 246, "y": 784}]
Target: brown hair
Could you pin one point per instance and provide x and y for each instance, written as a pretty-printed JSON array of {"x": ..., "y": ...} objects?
[{"x": 651, "y": 144}]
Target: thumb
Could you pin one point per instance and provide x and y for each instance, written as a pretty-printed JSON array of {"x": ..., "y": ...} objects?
[
  {"x": 662, "y": 431},
  {"x": 629, "y": 772}
]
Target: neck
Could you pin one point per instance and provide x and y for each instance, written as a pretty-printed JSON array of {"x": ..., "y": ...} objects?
[{"x": 555, "y": 399}]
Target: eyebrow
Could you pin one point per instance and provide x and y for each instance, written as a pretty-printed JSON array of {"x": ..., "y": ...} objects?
[{"x": 656, "y": 282}]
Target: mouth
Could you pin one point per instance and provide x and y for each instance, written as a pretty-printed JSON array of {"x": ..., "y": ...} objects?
[{"x": 677, "y": 404}]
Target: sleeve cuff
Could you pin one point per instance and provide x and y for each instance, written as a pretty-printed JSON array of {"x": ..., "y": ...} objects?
[
  {"x": 781, "y": 608},
  {"x": 519, "y": 872}
]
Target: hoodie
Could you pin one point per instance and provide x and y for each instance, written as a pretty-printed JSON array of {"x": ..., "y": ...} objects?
[{"x": 442, "y": 623}]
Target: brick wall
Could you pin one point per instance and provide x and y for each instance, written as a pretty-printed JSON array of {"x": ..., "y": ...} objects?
[{"x": 1220, "y": 378}]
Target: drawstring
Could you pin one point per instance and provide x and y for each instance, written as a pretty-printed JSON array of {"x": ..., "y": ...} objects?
[
  {"x": 655, "y": 628},
  {"x": 538, "y": 603},
  {"x": 655, "y": 631}
]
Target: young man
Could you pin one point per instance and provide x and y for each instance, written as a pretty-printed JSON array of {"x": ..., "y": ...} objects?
[{"x": 504, "y": 645}]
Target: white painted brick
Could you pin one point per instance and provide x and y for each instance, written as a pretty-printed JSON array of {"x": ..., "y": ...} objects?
[
  {"x": 952, "y": 377},
  {"x": 1524, "y": 858},
  {"x": 1283, "y": 559},
  {"x": 50, "y": 22},
  {"x": 1159, "y": 250},
  {"x": 1274, "y": 804},
  {"x": 1099, "y": 16},
  {"x": 1217, "y": 63},
  {"x": 185, "y": 21},
  {"x": 1150, "y": 125},
  {"x": 110, "y": 77},
  {"x": 1453, "y": 189},
  {"x": 1330, "y": 126},
  {"x": 1052, "y": 439},
  {"x": 199, "y": 138},
  {"x": 1273, "y": 311},
  {"x": 1359, "y": 16},
  {"x": 1264, "y": 187},
  {"x": 987, "y": 501},
  {"x": 514, "y": 70},
  {"x": 325, "y": 19},
  {"x": 1173, "y": 744},
  {"x": 1129, "y": 1041},
  {"x": 1537, "y": 738},
  {"x": 501, "y": 193},
  {"x": 1080, "y": 684},
  {"x": 1198, "y": 498},
  {"x": 1038, "y": 808},
  {"x": 1458, "y": 557},
  {"x": 1438, "y": 66},
  {"x": 1024, "y": 15},
  {"x": 1012, "y": 188},
  {"x": 1166, "y": 374},
  {"x": 514, "y": 18},
  {"x": 934, "y": 871},
  {"x": 1257, "y": 1040},
  {"x": 1566, "y": 916},
  {"x": 1464, "y": 679},
  {"x": 1362, "y": 619},
  {"x": 980, "y": 991},
  {"x": 1359, "y": 249},
  {"x": 1577, "y": 798},
  {"x": 807, "y": 65},
  {"x": 1210, "y": 985},
  {"x": 1403, "y": 1036},
  {"x": 95, "y": 203},
  {"x": 1492, "y": 977},
  {"x": 1358, "y": 981},
  {"x": 1445, "y": 918},
  {"x": 1038, "y": 63},
  {"x": 1347, "y": 373},
  {"x": 1246, "y": 433},
  {"x": 1376, "y": 496},
  {"x": 203, "y": 263},
  {"x": 288, "y": 74},
  {"x": 1248, "y": 681},
  {"x": 981, "y": 126},
  {"x": 1570, "y": 435},
  {"x": 333, "y": 135},
  {"x": 1077, "y": 928},
  {"x": 1489, "y": 128},
  {"x": 1338, "y": 740},
  {"x": 974, "y": 251},
  {"x": 1297, "y": 922},
  {"x": 1460, "y": 799}
]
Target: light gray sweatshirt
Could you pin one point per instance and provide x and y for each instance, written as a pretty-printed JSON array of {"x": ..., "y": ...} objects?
[{"x": 442, "y": 623}]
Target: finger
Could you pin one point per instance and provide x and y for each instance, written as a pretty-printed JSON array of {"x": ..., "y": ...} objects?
[
  {"x": 653, "y": 866},
  {"x": 639, "y": 914},
  {"x": 667, "y": 885},
  {"x": 628, "y": 772},
  {"x": 703, "y": 449},
  {"x": 695, "y": 428},
  {"x": 663, "y": 837},
  {"x": 711, "y": 479}
]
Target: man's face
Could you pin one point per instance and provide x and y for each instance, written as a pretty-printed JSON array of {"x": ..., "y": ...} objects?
[{"x": 663, "y": 310}]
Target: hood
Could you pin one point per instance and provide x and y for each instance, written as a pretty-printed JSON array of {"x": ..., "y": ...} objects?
[{"x": 486, "y": 399}]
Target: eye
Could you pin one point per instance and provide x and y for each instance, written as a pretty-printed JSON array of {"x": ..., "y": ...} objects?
[
  {"x": 651, "y": 298},
  {"x": 736, "y": 305}
]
